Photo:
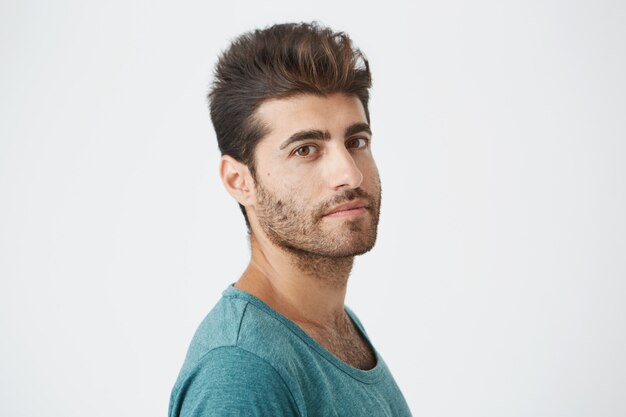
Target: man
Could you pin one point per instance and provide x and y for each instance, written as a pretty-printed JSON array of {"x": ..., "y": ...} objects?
[{"x": 290, "y": 109}]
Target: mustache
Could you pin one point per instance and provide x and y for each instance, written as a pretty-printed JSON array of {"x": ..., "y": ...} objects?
[{"x": 345, "y": 197}]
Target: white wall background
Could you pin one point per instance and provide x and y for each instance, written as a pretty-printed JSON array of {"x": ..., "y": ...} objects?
[{"x": 497, "y": 286}]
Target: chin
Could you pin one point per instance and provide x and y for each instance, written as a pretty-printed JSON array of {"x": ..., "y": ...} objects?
[{"x": 342, "y": 251}]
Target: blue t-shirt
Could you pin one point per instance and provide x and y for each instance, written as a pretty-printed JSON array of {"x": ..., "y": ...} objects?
[{"x": 246, "y": 359}]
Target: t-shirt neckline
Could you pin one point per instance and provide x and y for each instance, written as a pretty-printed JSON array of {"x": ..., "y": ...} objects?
[{"x": 367, "y": 376}]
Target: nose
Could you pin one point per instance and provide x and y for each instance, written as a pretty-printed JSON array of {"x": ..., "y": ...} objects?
[{"x": 343, "y": 170}]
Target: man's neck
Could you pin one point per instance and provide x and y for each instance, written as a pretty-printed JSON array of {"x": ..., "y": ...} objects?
[{"x": 309, "y": 290}]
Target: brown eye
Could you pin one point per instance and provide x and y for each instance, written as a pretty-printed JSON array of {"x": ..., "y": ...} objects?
[
  {"x": 305, "y": 150},
  {"x": 356, "y": 143}
]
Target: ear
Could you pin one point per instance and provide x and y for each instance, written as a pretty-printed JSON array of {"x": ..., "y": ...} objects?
[{"x": 237, "y": 179}]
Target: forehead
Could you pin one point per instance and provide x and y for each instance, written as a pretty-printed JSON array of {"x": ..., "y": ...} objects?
[{"x": 286, "y": 116}]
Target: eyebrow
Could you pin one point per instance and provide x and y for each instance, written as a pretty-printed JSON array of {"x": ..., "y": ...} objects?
[
  {"x": 305, "y": 135},
  {"x": 324, "y": 135},
  {"x": 358, "y": 128}
]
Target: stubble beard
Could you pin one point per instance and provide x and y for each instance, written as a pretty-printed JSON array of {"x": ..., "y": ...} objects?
[{"x": 308, "y": 237}]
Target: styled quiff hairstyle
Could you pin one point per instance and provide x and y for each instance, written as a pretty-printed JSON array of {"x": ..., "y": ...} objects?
[{"x": 279, "y": 61}]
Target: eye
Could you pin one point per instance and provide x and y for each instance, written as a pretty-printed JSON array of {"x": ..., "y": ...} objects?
[
  {"x": 305, "y": 151},
  {"x": 357, "y": 143}
]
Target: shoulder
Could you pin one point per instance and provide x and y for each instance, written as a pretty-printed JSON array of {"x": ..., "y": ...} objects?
[
  {"x": 229, "y": 380},
  {"x": 235, "y": 321}
]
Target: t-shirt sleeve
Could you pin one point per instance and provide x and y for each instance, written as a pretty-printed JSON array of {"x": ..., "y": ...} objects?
[{"x": 230, "y": 381}]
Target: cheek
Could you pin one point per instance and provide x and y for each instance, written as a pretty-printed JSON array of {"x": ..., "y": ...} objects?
[
  {"x": 295, "y": 192},
  {"x": 301, "y": 194},
  {"x": 370, "y": 172}
]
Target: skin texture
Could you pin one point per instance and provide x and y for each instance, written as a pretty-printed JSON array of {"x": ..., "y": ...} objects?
[
  {"x": 316, "y": 242},
  {"x": 300, "y": 257}
]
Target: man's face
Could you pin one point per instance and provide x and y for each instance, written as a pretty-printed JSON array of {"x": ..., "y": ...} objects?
[{"x": 316, "y": 158}]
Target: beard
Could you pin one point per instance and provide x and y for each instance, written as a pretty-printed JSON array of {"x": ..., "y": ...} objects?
[{"x": 304, "y": 231}]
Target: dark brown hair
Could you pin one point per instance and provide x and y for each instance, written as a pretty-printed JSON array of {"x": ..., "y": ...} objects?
[{"x": 279, "y": 62}]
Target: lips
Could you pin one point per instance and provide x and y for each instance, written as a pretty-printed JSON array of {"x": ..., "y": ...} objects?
[{"x": 347, "y": 206}]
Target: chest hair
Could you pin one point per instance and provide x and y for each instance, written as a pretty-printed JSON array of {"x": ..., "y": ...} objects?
[{"x": 347, "y": 344}]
